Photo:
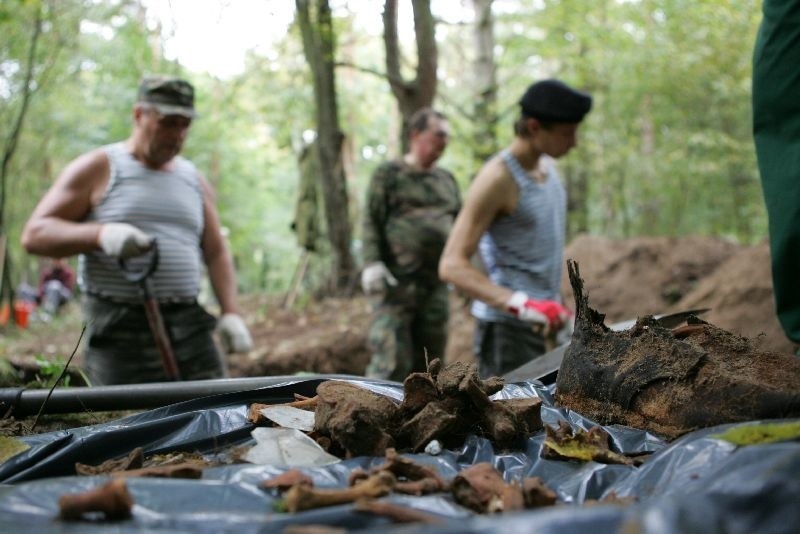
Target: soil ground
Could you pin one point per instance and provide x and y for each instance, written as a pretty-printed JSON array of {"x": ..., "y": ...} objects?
[{"x": 624, "y": 279}]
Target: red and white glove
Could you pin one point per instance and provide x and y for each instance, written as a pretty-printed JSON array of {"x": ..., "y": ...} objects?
[{"x": 549, "y": 313}]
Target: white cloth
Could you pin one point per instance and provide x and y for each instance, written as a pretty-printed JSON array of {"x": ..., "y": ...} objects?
[
  {"x": 234, "y": 334},
  {"x": 123, "y": 240},
  {"x": 375, "y": 276}
]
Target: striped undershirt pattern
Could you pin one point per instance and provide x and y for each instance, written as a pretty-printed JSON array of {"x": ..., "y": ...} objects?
[
  {"x": 164, "y": 204},
  {"x": 523, "y": 250}
]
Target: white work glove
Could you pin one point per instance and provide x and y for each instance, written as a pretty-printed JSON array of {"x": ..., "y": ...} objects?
[
  {"x": 548, "y": 313},
  {"x": 233, "y": 333},
  {"x": 375, "y": 276},
  {"x": 123, "y": 240}
]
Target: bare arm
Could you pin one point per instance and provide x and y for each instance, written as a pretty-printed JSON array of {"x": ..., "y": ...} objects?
[
  {"x": 216, "y": 255},
  {"x": 55, "y": 228},
  {"x": 493, "y": 193}
]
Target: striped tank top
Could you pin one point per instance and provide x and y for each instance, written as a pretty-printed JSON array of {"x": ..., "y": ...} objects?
[
  {"x": 523, "y": 250},
  {"x": 165, "y": 204}
]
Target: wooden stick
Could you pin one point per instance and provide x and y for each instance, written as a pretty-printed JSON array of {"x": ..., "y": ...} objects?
[{"x": 111, "y": 499}]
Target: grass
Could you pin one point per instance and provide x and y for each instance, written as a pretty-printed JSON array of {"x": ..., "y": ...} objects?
[{"x": 37, "y": 354}]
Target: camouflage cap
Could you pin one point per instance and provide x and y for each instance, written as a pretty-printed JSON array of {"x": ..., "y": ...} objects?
[{"x": 169, "y": 95}]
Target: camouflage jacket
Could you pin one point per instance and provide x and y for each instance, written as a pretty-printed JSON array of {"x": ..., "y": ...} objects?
[{"x": 409, "y": 215}]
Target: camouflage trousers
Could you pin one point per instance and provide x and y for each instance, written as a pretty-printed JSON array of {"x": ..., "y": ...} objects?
[
  {"x": 408, "y": 322},
  {"x": 120, "y": 348}
]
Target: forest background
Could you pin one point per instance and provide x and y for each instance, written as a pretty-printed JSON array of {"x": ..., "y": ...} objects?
[{"x": 666, "y": 151}]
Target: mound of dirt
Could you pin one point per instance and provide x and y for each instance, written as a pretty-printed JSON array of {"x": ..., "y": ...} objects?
[
  {"x": 625, "y": 278},
  {"x": 327, "y": 336},
  {"x": 643, "y": 275},
  {"x": 740, "y": 295}
]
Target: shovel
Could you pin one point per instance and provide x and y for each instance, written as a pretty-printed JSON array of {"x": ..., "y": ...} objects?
[{"x": 152, "y": 311}]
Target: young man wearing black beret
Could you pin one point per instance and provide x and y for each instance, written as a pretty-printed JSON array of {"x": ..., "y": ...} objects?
[{"x": 515, "y": 216}]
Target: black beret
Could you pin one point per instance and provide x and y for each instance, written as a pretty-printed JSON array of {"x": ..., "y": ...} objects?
[{"x": 555, "y": 101}]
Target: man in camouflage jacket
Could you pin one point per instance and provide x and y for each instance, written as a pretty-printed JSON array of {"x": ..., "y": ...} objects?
[{"x": 410, "y": 208}]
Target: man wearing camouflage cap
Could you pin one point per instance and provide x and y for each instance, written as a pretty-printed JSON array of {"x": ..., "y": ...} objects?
[
  {"x": 410, "y": 207},
  {"x": 515, "y": 215},
  {"x": 110, "y": 204}
]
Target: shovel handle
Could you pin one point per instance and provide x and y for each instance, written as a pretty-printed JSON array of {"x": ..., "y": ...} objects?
[
  {"x": 154, "y": 318},
  {"x": 161, "y": 337}
]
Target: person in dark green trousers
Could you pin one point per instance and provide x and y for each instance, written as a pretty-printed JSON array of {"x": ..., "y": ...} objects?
[{"x": 776, "y": 129}]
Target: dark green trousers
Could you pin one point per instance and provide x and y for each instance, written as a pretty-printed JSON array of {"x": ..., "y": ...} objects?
[
  {"x": 501, "y": 348},
  {"x": 120, "y": 348},
  {"x": 776, "y": 128}
]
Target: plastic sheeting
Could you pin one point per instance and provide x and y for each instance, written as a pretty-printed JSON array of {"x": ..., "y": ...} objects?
[{"x": 698, "y": 483}]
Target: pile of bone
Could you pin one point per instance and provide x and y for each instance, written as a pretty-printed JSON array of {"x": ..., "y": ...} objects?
[
  {"x": 444, "y": 404},
  {"x": 479, "y": 487}
]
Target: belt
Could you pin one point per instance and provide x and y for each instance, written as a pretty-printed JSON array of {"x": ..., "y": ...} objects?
[{"x": 166, "y": 301}]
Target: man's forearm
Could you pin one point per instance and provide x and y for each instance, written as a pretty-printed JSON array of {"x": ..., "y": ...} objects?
[
  {"x": 473, "y": 283},
  {"x": 58, "y": 238},
  {"x": 223, "y": 281}
]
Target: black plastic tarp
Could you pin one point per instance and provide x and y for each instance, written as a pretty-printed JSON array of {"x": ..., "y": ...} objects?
[{"x": 698, "y": 483}]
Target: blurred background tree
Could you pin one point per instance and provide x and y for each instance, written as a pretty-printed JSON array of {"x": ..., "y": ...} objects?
[{"x": 667, "y": 149}]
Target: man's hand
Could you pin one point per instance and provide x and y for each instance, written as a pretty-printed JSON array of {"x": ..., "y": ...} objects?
[
  {"x": 375, "y": 276},
  {"x": 123, "y": 240},
  {"x": 549, "y": 313},
  {"x": 233, "y": 333}
]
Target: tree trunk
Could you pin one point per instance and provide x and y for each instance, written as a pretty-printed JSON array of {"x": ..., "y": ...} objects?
[
  {"x": 485, "y": 112},
  {"x": 10, "y": 148},
  {"x": 319, "y": 46},
  {"x": 419, "y": 92}
]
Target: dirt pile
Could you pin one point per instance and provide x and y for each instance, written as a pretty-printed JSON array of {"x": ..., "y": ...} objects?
[
  {"x": 327, "y": 336},
  {"x": 625, "y": 278},
  {"x": 642, "y": 275},
  {"x": 739, "y": 293}
]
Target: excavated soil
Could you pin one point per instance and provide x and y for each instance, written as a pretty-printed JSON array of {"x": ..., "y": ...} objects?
[{"x": 624, "y": 278}]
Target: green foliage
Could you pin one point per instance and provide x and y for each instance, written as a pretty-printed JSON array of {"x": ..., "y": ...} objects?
[
  {"x": 666, "y": 150},
  {"x": 49, "y": 371}
]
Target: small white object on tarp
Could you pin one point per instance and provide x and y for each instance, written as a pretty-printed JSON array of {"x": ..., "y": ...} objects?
[
  {"x": 434, "y": 447},
  {"x": 290, "y": 417},
  {"x": 286, "y": 447}
]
